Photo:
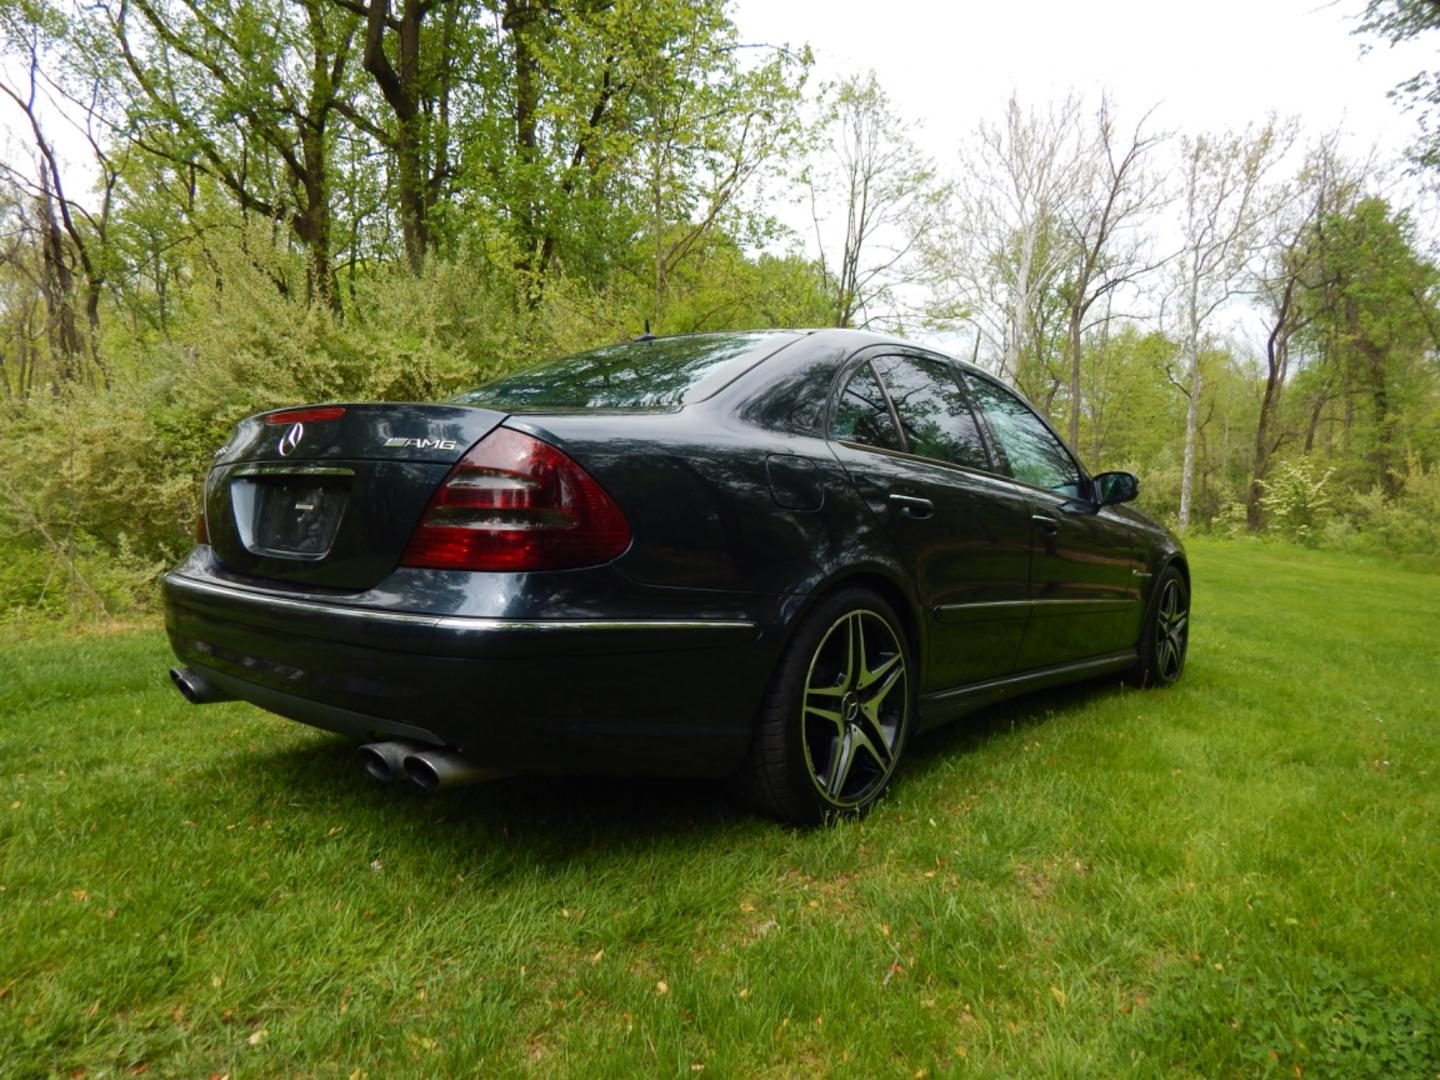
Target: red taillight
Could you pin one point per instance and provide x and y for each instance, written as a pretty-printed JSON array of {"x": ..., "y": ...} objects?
[
  {"x": 517, "y": 503},
  {"x": 202, "y": 529},
  {"x": 306, "y": 416}
]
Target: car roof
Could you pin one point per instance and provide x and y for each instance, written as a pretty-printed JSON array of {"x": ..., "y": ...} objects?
[{"x": 858, "y": 339}]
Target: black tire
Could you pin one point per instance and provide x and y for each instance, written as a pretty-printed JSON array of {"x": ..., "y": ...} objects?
[
  {"x": 809, "y": 763},
  {"x": 1165, "y": 637}
]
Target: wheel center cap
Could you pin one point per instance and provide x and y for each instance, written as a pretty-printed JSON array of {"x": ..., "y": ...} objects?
[{"x": 850, "y": 706}]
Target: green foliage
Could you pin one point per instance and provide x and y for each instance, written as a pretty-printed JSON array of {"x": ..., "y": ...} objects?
[
  {"x": 1231, "y": 521},
  {"x": 1375, "y": 319},
  {"x": 1297, "y": 498},
  {"x": 1131, "y": 413},
  {"x": 1407, "y": 525}
]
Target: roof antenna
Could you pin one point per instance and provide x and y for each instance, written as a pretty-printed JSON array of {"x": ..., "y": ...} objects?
[{"x": 646, "y": 336}]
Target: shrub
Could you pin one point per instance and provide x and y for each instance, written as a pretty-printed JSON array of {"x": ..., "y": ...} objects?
[
  {"x": 1407, "y": 524},
  {"x": 1297, "y": 499}
]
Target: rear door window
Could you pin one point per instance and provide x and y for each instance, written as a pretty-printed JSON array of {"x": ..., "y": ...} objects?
[{"x": 933, "y": 412}]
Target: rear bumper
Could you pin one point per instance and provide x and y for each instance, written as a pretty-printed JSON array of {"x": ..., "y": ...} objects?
[{"x": 634, "y": 696}]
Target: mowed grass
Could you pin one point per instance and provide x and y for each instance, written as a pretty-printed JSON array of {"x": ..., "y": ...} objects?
[{"x": 1237, "y": 876}]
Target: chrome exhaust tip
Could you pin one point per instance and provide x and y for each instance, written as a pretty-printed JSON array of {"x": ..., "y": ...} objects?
[
  {"x": 435, "y": 770},
  {"x": 385, "y": 761},
  {"x": 195, "y": 688}
]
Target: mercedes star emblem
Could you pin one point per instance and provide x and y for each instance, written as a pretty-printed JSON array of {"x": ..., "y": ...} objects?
[{"x": 291, "y": 439}]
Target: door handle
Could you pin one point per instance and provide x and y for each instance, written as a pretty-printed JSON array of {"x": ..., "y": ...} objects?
[
  {"x": 1046, "y": 524},
  {"x": 912, "y": 506}
]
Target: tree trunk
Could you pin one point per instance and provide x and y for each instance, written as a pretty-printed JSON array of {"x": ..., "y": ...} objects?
[
  {"x": 1380, "y": 455},
  {"x": 312, "y": 223},
  {"x": 1072, "y": 339},
  {"x": 58, "y": 288},
  {"x": 657, "y": 211},
  {"x": 1275, "y": 346},
  {"x": 1192, "y": 411},
  {"x": 1254, "y": 518},
  {"x": 401, "y": 90},
  {"x": 518, "y": 20}
]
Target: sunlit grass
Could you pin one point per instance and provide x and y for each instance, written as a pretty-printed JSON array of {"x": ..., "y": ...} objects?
[{"x": 1236, "y": 876}]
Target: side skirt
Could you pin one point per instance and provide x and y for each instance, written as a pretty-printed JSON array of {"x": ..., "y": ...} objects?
[{"x": 947, "y": 705}]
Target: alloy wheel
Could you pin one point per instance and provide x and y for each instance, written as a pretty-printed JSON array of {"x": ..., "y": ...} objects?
[
  {"x": 1172, "y": 624},
  {"x": 855, "y": 708}
]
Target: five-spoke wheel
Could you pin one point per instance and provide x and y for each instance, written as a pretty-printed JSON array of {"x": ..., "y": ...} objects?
[
  {"x": 854, "y": 707},
  {"x": 1167, "y": 631},
  {"x": 837, "y": 716}
]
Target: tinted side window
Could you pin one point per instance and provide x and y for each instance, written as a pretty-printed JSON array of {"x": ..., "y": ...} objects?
[
  {"x": 1035, "y": 455},
  {"x": 862, "y": 415},
  {"x": 937, "y": 421}
]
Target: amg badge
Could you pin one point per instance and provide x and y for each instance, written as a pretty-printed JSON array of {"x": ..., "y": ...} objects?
[{"x": 421, "y": 444}]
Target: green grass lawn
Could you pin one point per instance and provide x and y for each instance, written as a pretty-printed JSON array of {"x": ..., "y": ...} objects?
[{"x": 1237, "y": 876}]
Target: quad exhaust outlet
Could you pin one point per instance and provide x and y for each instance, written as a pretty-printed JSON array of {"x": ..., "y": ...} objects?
[{"x": 431, "y": 767}]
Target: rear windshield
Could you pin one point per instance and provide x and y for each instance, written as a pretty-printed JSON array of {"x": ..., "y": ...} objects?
[{"x": 655, "y": 374}]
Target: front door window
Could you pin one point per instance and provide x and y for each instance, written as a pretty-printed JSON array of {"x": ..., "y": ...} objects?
[{"x": 1035, "y": 455}]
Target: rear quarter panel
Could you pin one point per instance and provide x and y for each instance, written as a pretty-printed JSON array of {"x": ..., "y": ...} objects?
[{"x": 715, "y": 503}]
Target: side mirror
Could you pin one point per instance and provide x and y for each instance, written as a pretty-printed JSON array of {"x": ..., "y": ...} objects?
[{"x": 1116, "y": 487}]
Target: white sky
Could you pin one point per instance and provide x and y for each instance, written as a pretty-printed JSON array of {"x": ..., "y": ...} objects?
[{"x": 1209, "y": 65}]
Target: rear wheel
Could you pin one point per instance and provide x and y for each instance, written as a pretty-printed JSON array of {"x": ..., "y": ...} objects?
[
  {"x": 1166, "y": 636},
  {"x": 837, "y": 715}
]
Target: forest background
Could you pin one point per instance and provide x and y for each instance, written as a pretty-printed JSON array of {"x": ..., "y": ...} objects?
[{"x": 210, "y": 209}]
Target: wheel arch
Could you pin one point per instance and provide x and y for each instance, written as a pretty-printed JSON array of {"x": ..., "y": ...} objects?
[
  {"x": 1180, "y": 563},
  {"x": 879, "y": 580}
]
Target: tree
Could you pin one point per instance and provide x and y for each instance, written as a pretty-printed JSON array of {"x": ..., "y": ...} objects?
[
  {"x": 887, "y": 190},
  {"x": 1101, "y": 223},
  {"x": 416, "y": 68},
  {"x": 998, "y": 263},
  {"x": 1376, "y": 315},
  {"x": 590, "y": 123},
  {"x": 1294, "y": 269},
  {"x": 24, "y": 313},
  {"x": 232, "y": 91},
  {"x": 1131, "y": 412},
  {"x": 1222, "y": 206},
  {"x": 705, "y": 127},
  {"x": 73, "y": 238}
]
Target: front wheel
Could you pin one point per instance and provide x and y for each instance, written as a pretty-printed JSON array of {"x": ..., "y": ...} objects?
[
  {"x": 837, "y": 715},
  {"x": 1166, "y": 635}
]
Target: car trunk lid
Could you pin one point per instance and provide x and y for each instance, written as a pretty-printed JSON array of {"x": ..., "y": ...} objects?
[{"x": 327, "y": 496}]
